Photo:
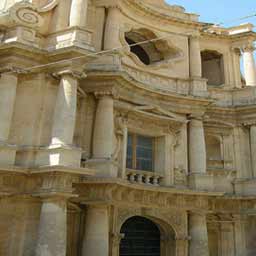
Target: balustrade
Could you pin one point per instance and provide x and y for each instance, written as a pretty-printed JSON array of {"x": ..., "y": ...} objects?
[{"x": 142, "y": 177}]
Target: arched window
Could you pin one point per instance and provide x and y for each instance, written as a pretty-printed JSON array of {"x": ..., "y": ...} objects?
[
  {"x": 141, "y": 238},
  {"x": 213, "y": 67},
  {"x": 149, "y": 52}
]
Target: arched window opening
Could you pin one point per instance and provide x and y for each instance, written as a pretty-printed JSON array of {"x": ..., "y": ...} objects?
[
  {"x": 149, "y": 52},
  {"x": 142, "y": 237},
  {"x": 213, "y": 149},
  {"x": 138, "y": 51},
  {"x": 213, "y": 67}
]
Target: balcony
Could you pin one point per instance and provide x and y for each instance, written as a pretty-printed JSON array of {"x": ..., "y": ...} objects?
[{"x": 144, "y": 177}]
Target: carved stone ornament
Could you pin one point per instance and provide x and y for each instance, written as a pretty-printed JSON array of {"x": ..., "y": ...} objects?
[{"x": 22, "y": 13}]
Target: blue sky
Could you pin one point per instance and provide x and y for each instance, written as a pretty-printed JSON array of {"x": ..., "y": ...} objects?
[{"x": 220, "y": 10}]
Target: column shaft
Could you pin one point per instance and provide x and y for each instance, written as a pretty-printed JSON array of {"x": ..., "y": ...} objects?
[
  {"x": 111, "y": 39},
  {"x": 96, "y": 237},
  {"x": 199, "y": 236},
  {"x": 195, "y": 57},
  {"x": 65, "y": 111},
  {"x": 52, "y": 228},
  {"x": 253, "y": 148},
  {"x": 8, "y": 85},
  {"x": 78, "y": 13},
  {"x": 197, "y": 150},
  {"x": 104, "y": 128},
  {"x": 249, "y": 67}
]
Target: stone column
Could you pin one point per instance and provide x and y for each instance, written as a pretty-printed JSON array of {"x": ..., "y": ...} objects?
[
  {"x": 199, "y": 237},
  {"x": 8, "y": 86},
  {"x": 52, "y": 228},
  {"x": 195, "y": 57},
  {"x": 61, "y": 151},
  {"x": 197, "y": 150},
  {"x": 253, "y": 148},
  {"x": 65, "y": 110},
  {"x": 96, "y": 237},
  {"x": 104, "y": 126},
  {"x": 249, "y": 66},
  {"x": 112, "y": 29},
  {"x": 78, "y": 13},
  {"x": 227, "y": 239}
]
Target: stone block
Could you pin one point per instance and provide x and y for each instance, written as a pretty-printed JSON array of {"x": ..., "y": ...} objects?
[
  {"x": 103, "y": 167},
  {"x": 58, "y": 155},
  {"x": 199, "y": 181},
  {"x": 7, "y": 155}
]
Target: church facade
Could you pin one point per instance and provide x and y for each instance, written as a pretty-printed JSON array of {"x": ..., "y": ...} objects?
[{"x": 126, "y": 129}]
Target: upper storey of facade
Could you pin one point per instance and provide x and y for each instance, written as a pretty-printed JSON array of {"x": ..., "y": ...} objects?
[{"x": 159, "y": 46}]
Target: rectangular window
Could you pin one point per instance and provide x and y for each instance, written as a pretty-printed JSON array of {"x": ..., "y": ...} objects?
[{"x": 140, "y": 152}]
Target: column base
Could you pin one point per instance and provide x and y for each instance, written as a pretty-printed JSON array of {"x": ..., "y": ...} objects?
[
  {"x": 103, "y": 167},
  {"x": 7, "y": 154},
  {"x": 201, "y": 181},
  {"x": 59, "y": 155}
]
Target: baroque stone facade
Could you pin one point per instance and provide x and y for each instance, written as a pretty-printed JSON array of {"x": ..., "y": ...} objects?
[{"x": 116, "y": 109}]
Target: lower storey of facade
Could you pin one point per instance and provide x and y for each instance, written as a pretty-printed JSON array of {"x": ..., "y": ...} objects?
[{"x": 115, "y": 218}]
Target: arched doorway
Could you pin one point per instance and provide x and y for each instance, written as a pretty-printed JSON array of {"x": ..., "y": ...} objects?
[{"x": 142, "y": 237}]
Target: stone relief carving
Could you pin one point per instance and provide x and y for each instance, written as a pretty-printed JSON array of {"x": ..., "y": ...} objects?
[{"x": 22, "y": 13}]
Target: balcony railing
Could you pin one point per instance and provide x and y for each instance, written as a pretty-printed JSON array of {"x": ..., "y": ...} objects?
[{"x": 144, "y": 177}]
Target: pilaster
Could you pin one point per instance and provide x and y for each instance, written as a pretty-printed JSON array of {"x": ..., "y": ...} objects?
[
  {"x": 195, "y": 57},
  {"x": 8, "y": 86}
]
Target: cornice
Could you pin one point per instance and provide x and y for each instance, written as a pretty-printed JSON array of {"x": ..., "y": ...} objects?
[{"x": 124, "y": 82}]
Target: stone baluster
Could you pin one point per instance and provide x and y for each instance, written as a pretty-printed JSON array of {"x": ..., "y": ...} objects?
[
  {"x": 199, "y": 237},
  {"x": 197, "y": 150},
  {"x": 104, "y": 126},
  {"x": 195, "y": 57},
  {"x": 227, "y": 239},
  {"x": 147, "y": 179},
  {"x": 249, "y": 66},
  {"x": 52, "y": 232},
  {"x": 65, "y": 110},
  {"x": 8, "y": 86},
  {"x": 78, "y": 13},
  {"x": 140, "y": 178},
  {"x": 96, "y": 237},
  {"x": 111, "y": 39}
]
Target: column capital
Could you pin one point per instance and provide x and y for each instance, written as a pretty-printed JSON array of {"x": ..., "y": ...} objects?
[
  {"x": 110, "y": 92},
  {"x": 248, "y": 48},
  {"x": 116, "y": 238},
  {"x": 236, "y": 50},
  {"x": 77, "y": 74}
]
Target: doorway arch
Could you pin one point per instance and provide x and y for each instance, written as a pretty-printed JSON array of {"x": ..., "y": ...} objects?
[{"x": 142, "y": 237}]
